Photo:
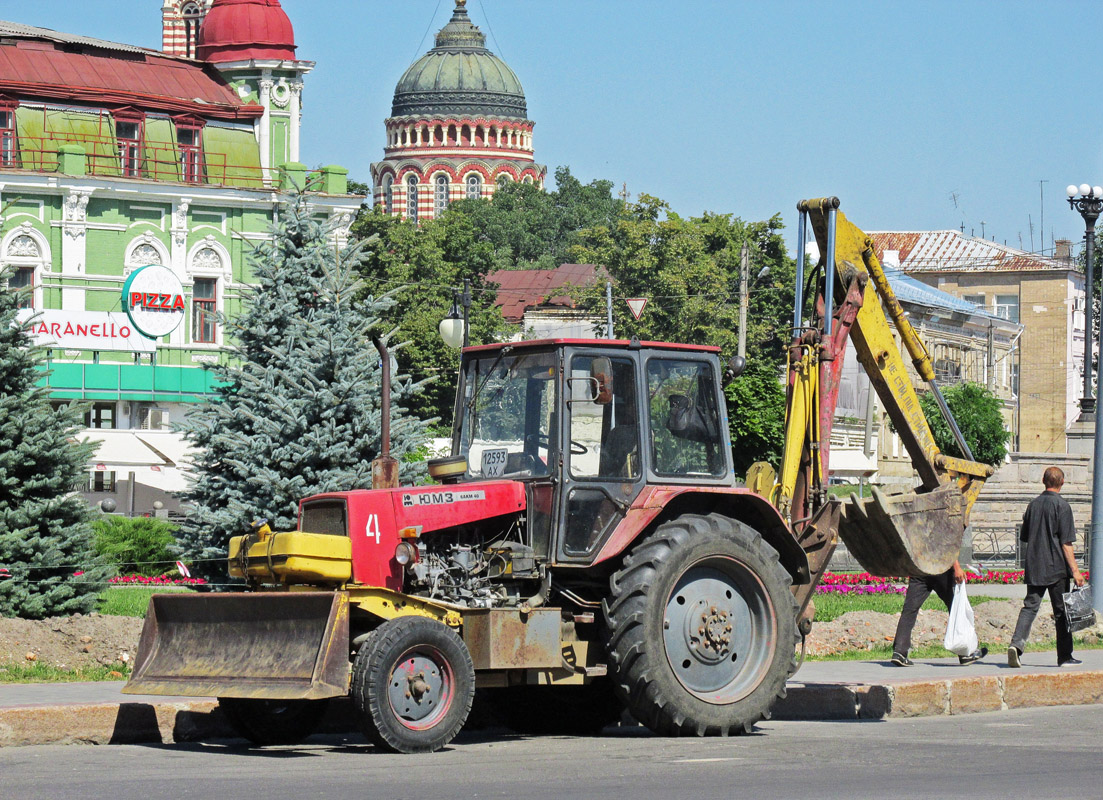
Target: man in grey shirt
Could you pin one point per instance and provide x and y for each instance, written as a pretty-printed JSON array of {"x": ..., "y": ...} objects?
[{"x": 1048, "y": 535}]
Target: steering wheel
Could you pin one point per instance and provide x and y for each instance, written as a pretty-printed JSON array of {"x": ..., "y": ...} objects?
[{"x": 577, "y": 448}]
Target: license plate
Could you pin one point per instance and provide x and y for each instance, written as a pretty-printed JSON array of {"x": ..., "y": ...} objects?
[{"x": 494, "y": 463}]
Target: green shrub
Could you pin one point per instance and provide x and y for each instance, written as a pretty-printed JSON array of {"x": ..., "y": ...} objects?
[{"x": 135, "y": 544}]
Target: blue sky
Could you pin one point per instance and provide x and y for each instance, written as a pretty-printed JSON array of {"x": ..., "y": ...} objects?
[{"x": 919, "y": 116}]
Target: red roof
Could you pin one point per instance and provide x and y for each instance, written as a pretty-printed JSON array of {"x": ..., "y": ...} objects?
[
  {"x": 238, "y": 30},
  {"x": 522, "y": 289},
  {"x": 47, "y": 67}
]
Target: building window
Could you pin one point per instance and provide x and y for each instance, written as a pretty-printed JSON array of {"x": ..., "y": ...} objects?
[
  {"x": 192, "y": 17},
  {"x": 188, "y": 141},
  {"x": 100, "y": 481},
  {"x": 7, "y": 139},
  {"x": 474, "y": 187},
  {"x": 1007, "y": 306},
  {"x": 23, "y": 278},
  {"x": 388, "y": 194},
  {"x": 129, "y": 138},
  {"x": 440, "y": 197},
  {"x": 411, "y": 198},
  {"x": 975, "y": 299},
  {"x": 204, "y": 310},
  {"x": 100, "y": 415}
]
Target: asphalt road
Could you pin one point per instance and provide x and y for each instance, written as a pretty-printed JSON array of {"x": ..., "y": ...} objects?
[{"x": 1036, "y": 753}]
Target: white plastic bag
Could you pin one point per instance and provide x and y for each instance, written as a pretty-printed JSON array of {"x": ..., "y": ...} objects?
[{"x": 961, "y": 636}]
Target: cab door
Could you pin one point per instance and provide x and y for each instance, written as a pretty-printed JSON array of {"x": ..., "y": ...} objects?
[{"x": 601, "y": 442}]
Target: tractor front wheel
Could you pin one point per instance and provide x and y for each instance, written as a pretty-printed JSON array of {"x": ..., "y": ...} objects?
[
  {"x": 702, "y": 627},
  {"x": 412, "y": 684}
]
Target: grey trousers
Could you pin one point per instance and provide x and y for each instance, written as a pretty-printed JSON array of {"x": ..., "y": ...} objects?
[
  {"x": 919, "y": 589},
  {"x": 1030, "y": 610}
]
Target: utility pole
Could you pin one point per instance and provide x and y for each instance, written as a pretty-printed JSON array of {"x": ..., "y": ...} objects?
[
  {"x": 744, "y": 301},
  {"x": 608, "y": 310}
]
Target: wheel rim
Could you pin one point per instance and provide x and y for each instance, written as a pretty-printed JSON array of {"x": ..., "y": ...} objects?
[
  {"x": 421, "y": 688},
  {"x": 719, "y": 630}
]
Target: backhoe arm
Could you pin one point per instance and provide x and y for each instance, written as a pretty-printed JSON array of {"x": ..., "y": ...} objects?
[{"x": 915, "y": 533}]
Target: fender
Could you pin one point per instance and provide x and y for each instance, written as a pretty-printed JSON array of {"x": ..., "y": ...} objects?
[{"x": 657, "y": 503}]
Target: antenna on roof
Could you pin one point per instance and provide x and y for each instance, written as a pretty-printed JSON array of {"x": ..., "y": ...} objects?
[{"x": 1031, "y": 221}]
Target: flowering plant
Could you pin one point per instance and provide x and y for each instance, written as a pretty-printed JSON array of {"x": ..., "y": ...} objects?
[{"x": 160, "y": 580}]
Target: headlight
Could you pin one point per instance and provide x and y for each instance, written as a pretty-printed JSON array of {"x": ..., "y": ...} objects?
[{"x": 405, "y": 553}]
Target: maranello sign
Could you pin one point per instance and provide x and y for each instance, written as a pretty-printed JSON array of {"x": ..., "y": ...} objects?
[
  {"x": 86, "y": 330},
  {"x": 154, "y": 300}
]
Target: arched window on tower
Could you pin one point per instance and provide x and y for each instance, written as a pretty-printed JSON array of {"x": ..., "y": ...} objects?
[
  {"x": 474, "y": 186},
  {"x": 192, "y": 17},
  {"x": 411, "y": 198},
  {"x": 388, "y": 194},
  {"x": 440, "y": 196}
]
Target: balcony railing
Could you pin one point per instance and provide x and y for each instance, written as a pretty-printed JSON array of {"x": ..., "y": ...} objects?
[{"x": 110, "y": 157}]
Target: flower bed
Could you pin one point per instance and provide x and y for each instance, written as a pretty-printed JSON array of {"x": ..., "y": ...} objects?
[
  {"x": 864, "y": 583},
  {"x": 160, "y": 580}
]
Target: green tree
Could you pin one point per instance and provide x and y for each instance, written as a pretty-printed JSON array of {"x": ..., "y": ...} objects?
[
  {"x": 45, "y": 530},
  {"x": 978, "y": 415},
  {"x": 298, "y": 410},
  {"x": 142, "y": 545},
  {"x": 756, "y": 417}
]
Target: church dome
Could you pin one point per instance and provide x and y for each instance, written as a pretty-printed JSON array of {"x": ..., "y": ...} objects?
[
  {"x": 237, "y": 30},
  {"x": 459, "y": 76}
]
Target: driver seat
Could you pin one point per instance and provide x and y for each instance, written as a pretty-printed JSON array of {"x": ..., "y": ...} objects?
[{"x": 620, "y": 452}]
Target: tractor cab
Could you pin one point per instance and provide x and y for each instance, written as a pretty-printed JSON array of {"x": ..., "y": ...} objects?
[{"x": 587, "y": 424}]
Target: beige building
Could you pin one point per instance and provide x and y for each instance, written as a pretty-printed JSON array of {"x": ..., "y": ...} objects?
[{"x": 1043, "y": 373}]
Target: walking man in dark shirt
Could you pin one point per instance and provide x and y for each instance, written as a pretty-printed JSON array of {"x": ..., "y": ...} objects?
[{"x": 1048, "y": 535}]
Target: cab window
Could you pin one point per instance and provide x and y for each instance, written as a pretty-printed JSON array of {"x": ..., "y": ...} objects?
[{"x": 686, "y": 434}]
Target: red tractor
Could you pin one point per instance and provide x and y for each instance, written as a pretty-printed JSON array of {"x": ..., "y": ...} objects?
[{"x": 586, "y": 550}]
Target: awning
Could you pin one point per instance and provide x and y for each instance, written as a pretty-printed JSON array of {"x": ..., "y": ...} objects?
[{"x": 128, "y": 448}]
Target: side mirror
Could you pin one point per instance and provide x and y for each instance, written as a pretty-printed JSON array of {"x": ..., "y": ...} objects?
[{"x": 735, "y": 368}]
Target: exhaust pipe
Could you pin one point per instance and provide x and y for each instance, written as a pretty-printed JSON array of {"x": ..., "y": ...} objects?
[{"x": 384, "y": 469}]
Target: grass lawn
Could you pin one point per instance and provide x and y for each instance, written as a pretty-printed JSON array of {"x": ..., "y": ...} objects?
[
  {"x": 45, "y": 673},
  {"x": 131, "y": 601},
  {"x": 832, "y": 606}
]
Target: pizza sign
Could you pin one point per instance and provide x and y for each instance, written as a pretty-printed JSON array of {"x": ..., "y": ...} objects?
[{"x": 154, "y": 300}]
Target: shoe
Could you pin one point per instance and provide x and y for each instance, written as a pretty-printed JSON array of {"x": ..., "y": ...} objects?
[
  {"x": 973, "y": 657},
  {"x": 1069, "y": 662},
  {"x": 899, "y": 660},
  {"x": 1013, "y": 654}
]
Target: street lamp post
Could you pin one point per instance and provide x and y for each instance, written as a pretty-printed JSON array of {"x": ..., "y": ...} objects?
[{"x": 1088, "y": 200}]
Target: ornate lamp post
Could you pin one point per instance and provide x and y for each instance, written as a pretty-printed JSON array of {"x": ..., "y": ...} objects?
[
  {"x": 1088, "y": 200},
  {"x": 454, "y": 327}
]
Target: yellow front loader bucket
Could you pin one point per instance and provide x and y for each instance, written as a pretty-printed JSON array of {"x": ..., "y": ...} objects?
[
  {"x": 265, "y": 645},
  {"x": 904, "y": 534}
]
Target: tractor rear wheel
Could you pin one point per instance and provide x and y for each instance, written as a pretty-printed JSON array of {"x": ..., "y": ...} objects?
[
  {"x": 702, "y": 627},
  {"x": 412, "y": 685},
  {"x": 273, "y": 722}
]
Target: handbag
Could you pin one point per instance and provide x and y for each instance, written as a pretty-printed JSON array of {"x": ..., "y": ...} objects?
[
  {"x": 961, "y": 635},
  {"x": 1078, "y": 608}
]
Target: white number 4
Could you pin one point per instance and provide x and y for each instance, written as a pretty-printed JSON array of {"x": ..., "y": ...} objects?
[{"x": 373, "y": 527}]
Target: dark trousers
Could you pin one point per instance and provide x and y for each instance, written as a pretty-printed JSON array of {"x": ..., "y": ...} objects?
[
  {"x": 919, "y": 589},
  {"x": 1030, "y": 610}
]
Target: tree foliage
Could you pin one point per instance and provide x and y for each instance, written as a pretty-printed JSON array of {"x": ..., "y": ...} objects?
[
  {"x": 756, "y": 416},
  {"x": 135, "y": 545},
  {"x": 977, "y": 412},
  {"x": 45, "y": 530},
  {"x": 519, "y": 226},
  {"x": 298, "y": 410}
]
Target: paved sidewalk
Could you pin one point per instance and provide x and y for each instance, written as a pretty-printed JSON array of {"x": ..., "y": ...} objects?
[{"x": 98, "y": 713}]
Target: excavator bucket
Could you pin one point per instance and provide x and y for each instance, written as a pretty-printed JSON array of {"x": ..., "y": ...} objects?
[
  {"x": 265, "y": 645},
  {"x": 904, "y": 534}
]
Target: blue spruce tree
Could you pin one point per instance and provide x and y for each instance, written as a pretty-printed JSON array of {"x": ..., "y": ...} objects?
[
  {"x": 297, "y": 410},
  {"x": 45, "y": 528}
]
